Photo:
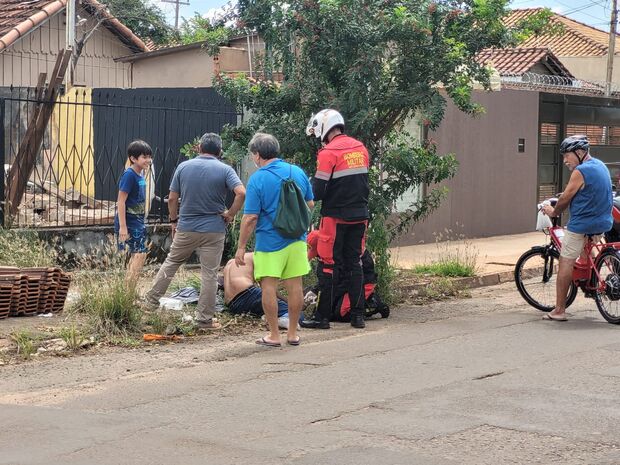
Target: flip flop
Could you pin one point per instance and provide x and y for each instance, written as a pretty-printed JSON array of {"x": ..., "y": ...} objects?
[
  {"x": 263, "y": 342},
  {"x": 294, "y": 343},
  {"x": 548, "y": 317}
]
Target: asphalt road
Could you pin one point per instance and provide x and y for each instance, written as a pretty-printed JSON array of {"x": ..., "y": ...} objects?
[{"x": 475, "y": 381}]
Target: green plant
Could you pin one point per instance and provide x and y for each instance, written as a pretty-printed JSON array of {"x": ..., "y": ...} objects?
[
  {"x": 382, "y": 64},
  {"x": 190, "y": 149},
  {"x": 23, "y": 248},
  {"x": 72, "y": 336},
  {"x": 145, "y": 20},
  {"x": 450, "y": 269},
  {"x": 110, "y": 303},
  {"x": 455, "y": 255},
  {"x": 186, "y": 279},
  {"x": 25, "y": 343},
  {"x": 161, "y": 322},
  {"x": 201, "y": 29}
]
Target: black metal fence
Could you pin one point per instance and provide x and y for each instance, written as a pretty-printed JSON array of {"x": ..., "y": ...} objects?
[{"x": 74, "y": 181}]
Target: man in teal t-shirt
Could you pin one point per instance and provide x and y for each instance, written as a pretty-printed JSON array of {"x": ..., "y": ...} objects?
[{"x": 275, "y": 257}]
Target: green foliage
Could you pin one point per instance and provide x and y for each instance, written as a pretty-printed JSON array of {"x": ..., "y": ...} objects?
[
  {"x": 185, "y": 279},
  {"x": 23, "y": 248},
  {"x": 380, "y": 63},
  {"x": 190, "y": 149},
  {"x": 540, "y": 23},
  {"x": 450, "y": 269},
  {"x": 72, "y": 336},
  {"x": 145, "y": 20},
  {"x": 200, "y": 29},
  {"x": 24, "y": 342},
  {"x": 456, "y": 257},
  {"x": 110, "y": 303}
]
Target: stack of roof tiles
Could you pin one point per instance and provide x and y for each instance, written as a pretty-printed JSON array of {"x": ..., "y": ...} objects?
[{"x": 29, "y": 291}]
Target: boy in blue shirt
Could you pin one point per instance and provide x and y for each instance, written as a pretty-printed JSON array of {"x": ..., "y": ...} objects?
[{"x": 130, "y": 208}]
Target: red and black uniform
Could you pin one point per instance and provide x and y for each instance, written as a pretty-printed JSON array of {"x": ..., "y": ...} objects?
[{"x": 341, "y": 183}]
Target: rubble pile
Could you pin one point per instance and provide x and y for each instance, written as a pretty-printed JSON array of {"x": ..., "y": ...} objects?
[
  {"x": 46, "y": 204},
  {"x": 30, "y": 291}
]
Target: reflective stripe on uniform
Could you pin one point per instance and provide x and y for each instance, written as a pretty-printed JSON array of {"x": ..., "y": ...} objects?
[
  {"x": 324, "y": 175},
  {"x": 350, "y": 172}
]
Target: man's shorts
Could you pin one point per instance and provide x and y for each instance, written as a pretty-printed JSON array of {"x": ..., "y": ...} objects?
[
  {"x": 136, "y": 242},
  {"x": 290, "y": 262},
  {"x": 573, "y": 243},
  {"x": 251, "y": 301}
]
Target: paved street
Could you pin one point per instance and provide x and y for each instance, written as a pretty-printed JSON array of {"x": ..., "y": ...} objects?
[{"x": 476, "y": 381}]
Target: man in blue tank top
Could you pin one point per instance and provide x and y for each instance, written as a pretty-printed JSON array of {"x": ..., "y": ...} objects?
[{"x": 588, "y": 196}]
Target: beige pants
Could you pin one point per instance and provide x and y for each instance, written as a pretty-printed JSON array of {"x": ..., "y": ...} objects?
[
  {"x": 209, "y": 247},
  {"x": 573, "y": 243}
]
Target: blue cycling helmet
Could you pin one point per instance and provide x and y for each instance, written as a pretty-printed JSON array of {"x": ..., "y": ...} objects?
[{"x": 572, "y": 143}]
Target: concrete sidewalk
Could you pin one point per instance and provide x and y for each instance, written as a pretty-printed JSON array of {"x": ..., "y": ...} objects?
[{"x": 493, "y": 254}]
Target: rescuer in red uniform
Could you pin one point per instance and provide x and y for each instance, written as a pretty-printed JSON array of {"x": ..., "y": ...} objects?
[{"x": 341, "y": 183}]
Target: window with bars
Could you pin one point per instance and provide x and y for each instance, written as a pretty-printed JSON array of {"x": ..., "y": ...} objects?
[
  {"x": 549, "y": 133},
  {"x": 597, "y": 135}
]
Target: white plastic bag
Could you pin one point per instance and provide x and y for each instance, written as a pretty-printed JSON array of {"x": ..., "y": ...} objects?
[
  {"x": 543, "y": 221},
  {"x": 168, "y": 303}
]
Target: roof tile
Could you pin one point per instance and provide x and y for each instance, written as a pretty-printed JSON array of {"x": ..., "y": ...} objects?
[
  {"x": 517, "y": 61},
  {"x": 578, "y": 39}
]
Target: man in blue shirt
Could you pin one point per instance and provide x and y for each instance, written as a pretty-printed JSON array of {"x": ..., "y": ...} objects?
[
  {"x": 588, "y": 194},
  {"x": 202, "y": 184},
  {"x": 275, "y": 257}
]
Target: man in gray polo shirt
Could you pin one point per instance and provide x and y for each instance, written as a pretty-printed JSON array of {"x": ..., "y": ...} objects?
[{"x": 202, "y": 185}]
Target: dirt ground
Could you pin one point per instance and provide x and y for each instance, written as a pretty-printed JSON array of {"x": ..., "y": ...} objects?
[{"x": 45, "y": 330}]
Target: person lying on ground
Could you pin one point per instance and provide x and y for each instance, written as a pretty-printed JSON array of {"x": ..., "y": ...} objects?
[{"x": 243, "y": 295}]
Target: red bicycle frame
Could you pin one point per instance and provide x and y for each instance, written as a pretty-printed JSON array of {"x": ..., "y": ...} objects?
[{"x": 582, "y": 271}]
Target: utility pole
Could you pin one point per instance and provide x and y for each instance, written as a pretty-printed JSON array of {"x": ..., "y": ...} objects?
[
  {"x": 177, "y": 4},
  {"x": 70, "y": 37},
  {"x": 612, "y": 47}
]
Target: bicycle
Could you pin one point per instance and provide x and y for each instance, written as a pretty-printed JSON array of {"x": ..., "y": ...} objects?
[{"x": 598, "y": 276}]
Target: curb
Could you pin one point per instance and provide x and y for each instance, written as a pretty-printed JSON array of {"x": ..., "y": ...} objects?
[{"x": 473, "y": 282}]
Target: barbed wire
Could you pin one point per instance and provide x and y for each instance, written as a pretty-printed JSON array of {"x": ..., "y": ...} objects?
[{"x": 558, "y": 84}]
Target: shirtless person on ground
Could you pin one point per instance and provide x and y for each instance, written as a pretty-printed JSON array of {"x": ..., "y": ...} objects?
[{"x": 242, "y": 295}]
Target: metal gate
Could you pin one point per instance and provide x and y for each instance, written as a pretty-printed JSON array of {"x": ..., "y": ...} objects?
[{"x": 83, "y": 154}]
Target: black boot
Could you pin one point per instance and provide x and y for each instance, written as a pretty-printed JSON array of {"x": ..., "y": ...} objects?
[
  {"x": 315, "y": 323},
  {"x": 357, "y": 319}
]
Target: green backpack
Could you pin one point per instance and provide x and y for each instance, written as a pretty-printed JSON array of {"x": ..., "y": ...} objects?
[{"x": 293, "y": 216}]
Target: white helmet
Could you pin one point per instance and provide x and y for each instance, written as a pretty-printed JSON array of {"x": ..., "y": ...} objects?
[{"x": 321, "y": 123}]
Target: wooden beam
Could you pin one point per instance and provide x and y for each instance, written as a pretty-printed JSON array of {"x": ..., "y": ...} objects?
[{"x": 26, "y": 156}]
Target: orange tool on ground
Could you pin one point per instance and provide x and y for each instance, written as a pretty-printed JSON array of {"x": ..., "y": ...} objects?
[{"x": 161, "y": 337}]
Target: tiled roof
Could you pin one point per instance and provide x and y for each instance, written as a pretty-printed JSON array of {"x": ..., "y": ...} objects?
[
  {"x": 578, "y": 39},
  {"x": 17, "y": 18},
  {"x": 517, "y": 61}
]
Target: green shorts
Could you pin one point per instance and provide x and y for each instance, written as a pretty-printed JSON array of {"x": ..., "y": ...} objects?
[{"x": 290, "y": 262}]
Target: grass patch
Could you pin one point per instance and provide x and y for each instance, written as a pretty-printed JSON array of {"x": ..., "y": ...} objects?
[
  {"x": 185, "y": 279},
  {"x": 23, "y": 248},
  {"x": 25, "y": 343},
  {"x": 72, "y": 336},
  {"x": 110, "y": 304},
  {"x": 456, "y": 257},
  {"x": 448, "y": 269}
]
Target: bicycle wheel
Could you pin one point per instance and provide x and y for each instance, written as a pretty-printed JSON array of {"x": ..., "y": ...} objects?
[
  {"x": 535, "y": 277},
  {"x": 608, "y": 300}
]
